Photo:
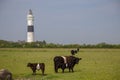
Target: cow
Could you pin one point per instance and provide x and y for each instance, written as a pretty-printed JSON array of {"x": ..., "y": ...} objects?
[
  {"x": 73, "y": 52},
  {"x": 37, "y": 66},
  {"x": 5, "y": 74},
  {"x": 65, "y": 62}
]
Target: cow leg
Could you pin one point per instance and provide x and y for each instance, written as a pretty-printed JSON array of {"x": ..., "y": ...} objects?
[
  {"x": 63, "y": 66},
  {"x": 69, "y": 69},
  {"x": 34, "y": 72},
  {"x": 42, "y": 72},
  {"x": 72, "y": 69},
  {"x": 56, "y": 69},
  {"x": 63, "y": 70}
]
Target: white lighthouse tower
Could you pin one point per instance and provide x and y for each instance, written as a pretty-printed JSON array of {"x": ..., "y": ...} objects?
[{"x": 30, "y": 27}]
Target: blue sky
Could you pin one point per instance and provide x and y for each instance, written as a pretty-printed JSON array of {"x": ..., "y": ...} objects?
[{"x": 62, "y": 21}]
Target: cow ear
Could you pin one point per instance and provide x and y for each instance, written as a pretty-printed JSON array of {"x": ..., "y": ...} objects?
[
  {"x": 80, "y": 58},
  {"x": 29, "y": 63}
]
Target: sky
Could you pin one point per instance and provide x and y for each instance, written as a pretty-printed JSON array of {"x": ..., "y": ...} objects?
[{"x": 62, "y": 21}]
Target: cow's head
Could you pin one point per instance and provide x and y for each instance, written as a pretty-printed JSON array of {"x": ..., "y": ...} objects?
[
  {"x": 76, "y": 60},
  {"x": 29, "y": 64}
]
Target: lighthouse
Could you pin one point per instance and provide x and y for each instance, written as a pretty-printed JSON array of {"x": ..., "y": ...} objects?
[{"x": 30, "y": 27}]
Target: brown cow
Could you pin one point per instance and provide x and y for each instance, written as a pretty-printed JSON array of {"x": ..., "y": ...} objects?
[
  {"x": 37, "y": 66},
  {"x": 65, "y": 62}
]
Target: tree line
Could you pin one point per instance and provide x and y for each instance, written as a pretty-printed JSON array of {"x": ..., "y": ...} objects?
[{"x": 44, "y": 44}]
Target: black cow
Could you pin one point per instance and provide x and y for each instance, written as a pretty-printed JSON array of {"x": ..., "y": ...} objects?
[
  {"x": 37, "y": 66},
  {"x": 5, "y": 74},
  {"x": 65, "y": 62},
  {"x": 73, "y": 52}
]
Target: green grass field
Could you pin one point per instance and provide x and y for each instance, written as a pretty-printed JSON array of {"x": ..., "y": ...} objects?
[{"x": 96, "y": 64}]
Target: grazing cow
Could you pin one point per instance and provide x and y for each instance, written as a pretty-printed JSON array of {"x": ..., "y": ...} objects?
[
  {"x": 37, "y": 66},
  {"x": 5, "y": 74},
  {"x": 65, "y": 62},
  {"x": 73, "y": 52}
]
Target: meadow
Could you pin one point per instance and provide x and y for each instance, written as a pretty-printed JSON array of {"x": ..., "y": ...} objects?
[{"x": 96, "y": 64}]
